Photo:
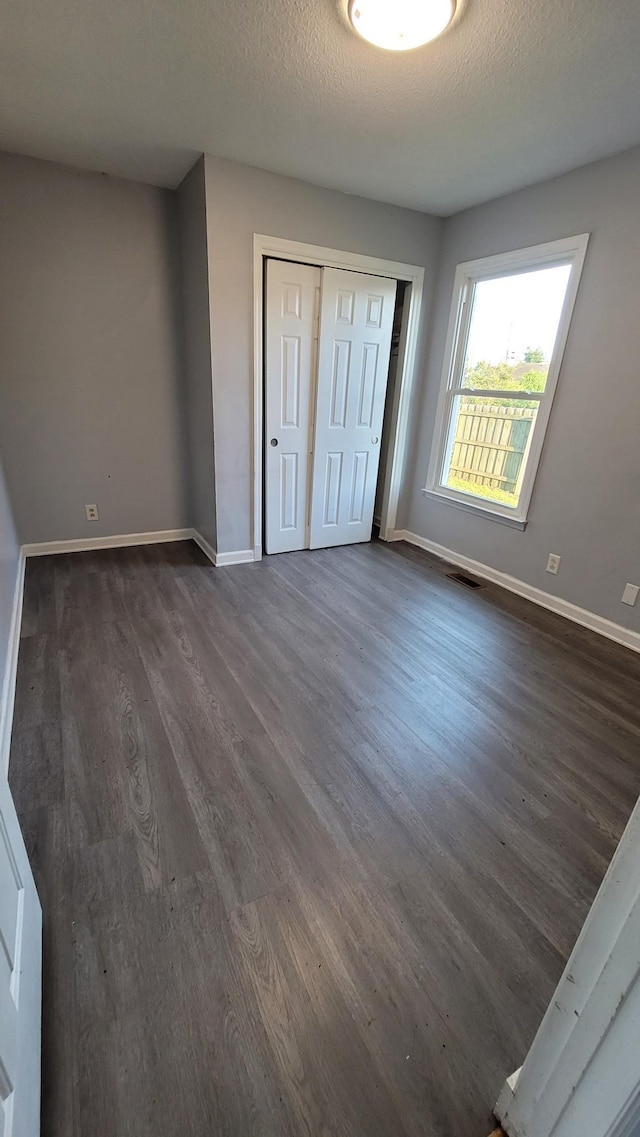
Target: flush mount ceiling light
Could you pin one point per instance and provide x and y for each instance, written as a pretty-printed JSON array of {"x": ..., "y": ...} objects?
[{"x": 399, "y": 25}]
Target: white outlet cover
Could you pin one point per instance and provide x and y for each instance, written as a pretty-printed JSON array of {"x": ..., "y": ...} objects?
[
  {"x": 630, "y": 594},
  {"x": 553, "y": 563},
  {"x": 91, "y": 512}
]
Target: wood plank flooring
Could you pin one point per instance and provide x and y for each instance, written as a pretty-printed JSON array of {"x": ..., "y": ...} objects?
[{"x": 313, "y": 837}]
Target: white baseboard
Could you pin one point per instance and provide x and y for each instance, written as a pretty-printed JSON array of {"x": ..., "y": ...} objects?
[
  {"x": 582, "y": 616},
  {"x": 117, "y": 541},
  {"x": 220, "y": 560},
  {"x": 238, "y": 557},
  {"x": 207, "y": 549},
  {"x": 11, "y": 667},
  {"x": 124, "y": 540}
]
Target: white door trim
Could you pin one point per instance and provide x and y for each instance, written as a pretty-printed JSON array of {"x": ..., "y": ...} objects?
[
  {"x": 581, "y": 1073},
  {"x": 283, "y": 249},
  {"x": 7, "y": 698}
]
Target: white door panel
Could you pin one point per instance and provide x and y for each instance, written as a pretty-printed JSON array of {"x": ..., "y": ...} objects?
[
  {"x": 292, "y": 303},
  {"x": 356, "y": 322},
  {"x": 20, "y": 980}
]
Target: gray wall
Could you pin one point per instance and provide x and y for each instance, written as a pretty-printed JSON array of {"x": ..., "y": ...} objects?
[
  {"x": 585, "y": 501},
  {"x": 242, "y": 201},
  {"x": 9, "y": 564},
  {"x": 89, "y": 353},
  {"x": 197, "y": 334}
]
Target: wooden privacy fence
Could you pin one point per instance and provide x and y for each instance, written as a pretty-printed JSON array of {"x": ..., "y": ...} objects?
[{"x": 490, "y": 443}]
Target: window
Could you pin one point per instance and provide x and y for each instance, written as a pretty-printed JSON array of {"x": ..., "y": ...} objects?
[{"x": 508, "y": 327}]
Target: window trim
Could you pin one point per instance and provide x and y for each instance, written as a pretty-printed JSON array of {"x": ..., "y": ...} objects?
[{"x": 568, "y": 250}]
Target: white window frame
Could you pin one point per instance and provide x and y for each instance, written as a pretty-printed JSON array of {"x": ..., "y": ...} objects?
[{"x": 569, "y": 250}]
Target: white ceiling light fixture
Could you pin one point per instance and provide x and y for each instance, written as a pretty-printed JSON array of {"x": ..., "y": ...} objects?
[{"x": 400, "y": 25}]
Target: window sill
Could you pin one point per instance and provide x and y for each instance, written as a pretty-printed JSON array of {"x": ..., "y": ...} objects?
[{"x": 479, "y": 510}]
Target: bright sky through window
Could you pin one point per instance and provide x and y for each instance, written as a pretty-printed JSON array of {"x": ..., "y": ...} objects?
[{"x": 514, "y": 313}]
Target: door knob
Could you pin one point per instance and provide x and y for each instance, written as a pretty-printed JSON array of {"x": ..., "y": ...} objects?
[
  {"x": 274, "y": 441},
  {"x": 374, "y": 439}
]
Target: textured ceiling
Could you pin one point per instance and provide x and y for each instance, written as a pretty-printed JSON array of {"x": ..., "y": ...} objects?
[{"x": 515, "y": 91}]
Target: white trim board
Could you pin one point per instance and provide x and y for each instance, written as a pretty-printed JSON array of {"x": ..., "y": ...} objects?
[
  {"x": 127, "y": 540},
  {"x": 222, "y": 560},
  {"x": 11, "y": 668},
  {"x": 237, "y": 557},
  {"x": 116, "y": 541},
  {"x": 207, "y": 549},
  {"x": 582, "y": 616},
  {"x": 507, "y": 1093},
  {"x": 580, "y": 1075},
  {"x": 282, "y": 249}
]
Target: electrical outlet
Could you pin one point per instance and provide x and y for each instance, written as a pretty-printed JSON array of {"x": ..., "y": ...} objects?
[
  {"x": 630, "y": 594},
  {"x": 553, "y": 563},
  {"x": 91, "y": 512}
]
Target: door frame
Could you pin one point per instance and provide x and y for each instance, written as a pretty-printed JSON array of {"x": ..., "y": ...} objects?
[
  {"x": 283, "y": 249},
  {"x": 581, "y": 1069}
]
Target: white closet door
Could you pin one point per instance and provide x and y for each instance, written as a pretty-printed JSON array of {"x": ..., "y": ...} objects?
[
  {"x": 292, "y": 304},
  {"x": 20, "y": 980},
  {"x": 356, "y": 321}
]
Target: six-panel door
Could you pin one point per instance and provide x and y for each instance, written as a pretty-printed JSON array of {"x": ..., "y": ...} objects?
[
  {"x": 356, "y": 321},
  {"x": 292, "y": 301}
]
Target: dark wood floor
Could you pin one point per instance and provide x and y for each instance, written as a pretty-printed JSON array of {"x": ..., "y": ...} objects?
[{"x": 313, "y": 837}]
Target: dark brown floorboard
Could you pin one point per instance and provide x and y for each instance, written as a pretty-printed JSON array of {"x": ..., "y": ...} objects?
[{"x": 313, "y": 837}]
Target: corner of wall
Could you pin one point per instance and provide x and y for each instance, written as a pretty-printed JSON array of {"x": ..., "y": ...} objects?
[
  {"x": 11, "y": 592},
  {"x": 195, "y": 274},
  {"x": 571, "y": 512},
  {"x": 429, "y": 312}
]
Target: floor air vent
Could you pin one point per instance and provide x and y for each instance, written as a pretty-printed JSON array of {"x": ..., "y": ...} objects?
[{"x": 460, "y": 578}]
